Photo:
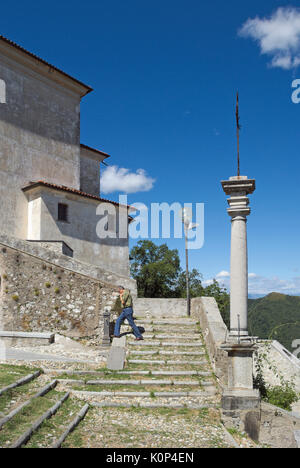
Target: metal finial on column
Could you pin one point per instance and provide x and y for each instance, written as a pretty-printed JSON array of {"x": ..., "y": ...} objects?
[{"x": 238, "y": 128}]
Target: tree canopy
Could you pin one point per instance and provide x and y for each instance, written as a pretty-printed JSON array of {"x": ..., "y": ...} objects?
[{"x": 157, "y": 271}]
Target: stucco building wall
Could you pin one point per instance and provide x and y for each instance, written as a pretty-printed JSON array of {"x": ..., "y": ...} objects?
[{"x": 40, "y": 137}]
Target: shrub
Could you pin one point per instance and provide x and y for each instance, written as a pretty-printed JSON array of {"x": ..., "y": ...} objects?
[
  {"x": 48, "y": 285},
  {"x": 282, "y": 396},
  {"x": 15, "y": 297}
]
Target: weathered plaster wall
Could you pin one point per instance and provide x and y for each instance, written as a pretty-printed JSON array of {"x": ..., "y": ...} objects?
[
  {"x": 79, "y": 232},
  {"x": 90, "y": 176},
  {"x": 38, "y": 296},
  {"x": 39, "y": 133}
]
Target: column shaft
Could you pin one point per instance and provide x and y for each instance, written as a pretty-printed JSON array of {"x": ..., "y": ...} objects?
[{"x": 239, "y": 277}]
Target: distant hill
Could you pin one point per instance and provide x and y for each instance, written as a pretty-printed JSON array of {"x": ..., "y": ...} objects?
[{"x": 274, "y": 316}]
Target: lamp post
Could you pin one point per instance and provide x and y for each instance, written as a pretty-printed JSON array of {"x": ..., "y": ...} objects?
[{"x": 186, "y": 216}]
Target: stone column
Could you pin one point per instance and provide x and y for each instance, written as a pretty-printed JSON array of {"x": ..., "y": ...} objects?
[
  {"x": 240, "y": 402},
  {"x": 238, "y": 188}
]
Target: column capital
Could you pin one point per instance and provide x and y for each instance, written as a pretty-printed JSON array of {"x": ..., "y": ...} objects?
[
  {"x": 238, "y": 188},
  {"x": 238, "y": 185}
]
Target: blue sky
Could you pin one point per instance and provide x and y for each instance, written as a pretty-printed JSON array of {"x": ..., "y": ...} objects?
[{"x": 165, "y": 74}]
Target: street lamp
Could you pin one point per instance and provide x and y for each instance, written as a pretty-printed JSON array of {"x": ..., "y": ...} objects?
[{"x": 186, "y": 216}]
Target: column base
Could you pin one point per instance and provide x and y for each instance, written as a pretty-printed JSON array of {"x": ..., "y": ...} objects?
[
  {"x": 240, "y": 399},
  {"x": 241, "y": 409}
]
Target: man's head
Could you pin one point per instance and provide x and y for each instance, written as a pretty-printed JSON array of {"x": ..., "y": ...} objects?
[{"x": 121, "y": 289}]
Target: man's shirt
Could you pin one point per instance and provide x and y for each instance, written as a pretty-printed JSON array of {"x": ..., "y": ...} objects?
[{"x": 126, "y": 299}]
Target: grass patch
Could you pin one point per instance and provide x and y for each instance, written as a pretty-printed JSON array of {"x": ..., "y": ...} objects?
[
  {"x": 53, "y": 428},
  {"x": 22, "y": 421}
]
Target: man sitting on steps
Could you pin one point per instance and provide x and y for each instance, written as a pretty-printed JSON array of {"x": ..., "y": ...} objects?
[{"x": 127, "y": 313}]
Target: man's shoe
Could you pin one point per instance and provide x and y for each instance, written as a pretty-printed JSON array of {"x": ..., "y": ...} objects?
[{"x": 139, "y": 339}]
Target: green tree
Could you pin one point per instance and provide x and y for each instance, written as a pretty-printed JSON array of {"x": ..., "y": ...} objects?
[
  {"x": 155, "y": 268},
  {"x": 158, "y": 274},
  {"x": 196, "y": 288}
]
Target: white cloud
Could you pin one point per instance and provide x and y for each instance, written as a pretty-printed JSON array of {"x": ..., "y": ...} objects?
[
  {"x": 119, "y": 179},
  {"x": 223, "y": 274},
  {"x": 278, "y": 36},
  {"x": 261, "y": 285}
]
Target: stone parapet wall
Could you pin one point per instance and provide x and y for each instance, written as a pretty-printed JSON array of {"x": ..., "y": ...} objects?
[
  {"x": 68, "y": 263},
  {"x": 205, "y": 309},
  {"x": 285, "y": 363},
  {"x": 37, "y": 295},
  {"x": 59, "y": 247},
  {"x": 160, "y": 307}
]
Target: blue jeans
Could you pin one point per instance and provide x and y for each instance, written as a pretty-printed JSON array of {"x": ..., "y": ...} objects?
[{"x": 127, "y": 314}]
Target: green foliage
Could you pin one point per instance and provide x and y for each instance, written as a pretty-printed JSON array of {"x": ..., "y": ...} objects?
[
  {"x": 275, "y": 317},
  {"x": 283, "y": 395},
  {"x": 158, "y": 274},
  {"x": 155, "y": 268}
]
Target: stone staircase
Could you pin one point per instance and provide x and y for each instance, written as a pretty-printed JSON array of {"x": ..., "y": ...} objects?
[
  {"x": 169, "y": 368},
  {"x": 33, "y": 413}
]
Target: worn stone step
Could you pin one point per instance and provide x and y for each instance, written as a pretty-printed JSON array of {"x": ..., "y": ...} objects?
[
  {"x": 167, "y": 362},
  {"x": 182, "y": 353},
  {"x": 170, "y": 405},
  {"x": 185, "y": 323},
  {"x": 27, "y": 337},
  {"x": 159, "y": 337},
  {"x": 126, "y": 394},
  {"x": 157, "y": 382},
  {"x": 169, "y": 373},
  {"x": 169, "y": 344},
  {"x": 172, "y": 330},
  {"x": 139, "y": 352}
]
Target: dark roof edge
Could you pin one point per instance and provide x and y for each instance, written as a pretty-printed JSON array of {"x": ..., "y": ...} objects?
[
  {"x": 36, "y": 57},
  {"x": 62, "y": 188},
  {"x": 95, "y": 150}
]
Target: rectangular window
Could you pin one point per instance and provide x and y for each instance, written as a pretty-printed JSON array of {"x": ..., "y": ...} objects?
[{"x": 62, "y": 212}]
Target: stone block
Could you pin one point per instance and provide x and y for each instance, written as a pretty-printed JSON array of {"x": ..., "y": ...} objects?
[{"x": 116, "y": 358}]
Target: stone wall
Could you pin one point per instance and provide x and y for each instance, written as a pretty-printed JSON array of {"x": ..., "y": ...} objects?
[
  {"x": 37, "y": 295},
  {"x": 205, "y": 309},
  {"x": 160, "y": 307},
  {"x": 100, "y": 274},
  {"x": 285, "y": 363}
]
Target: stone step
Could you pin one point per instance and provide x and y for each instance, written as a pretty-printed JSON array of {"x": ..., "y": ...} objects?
[
  {"x": 167, "y": 322},
  {"x": 27, "y": 337},
  {"x": 164, "y": 344},
  {"x": 102, "y": 394},
  {"x": 140, "y": 315},
  {"x": 166, "y": 353},
  {"x": 168, "y": 362},
  {"x": 170, "y": 405},
  {"x": 148, "y": 336},
  {"x": 169, "y": 373},
  {"x": 146, "y": 382}
]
